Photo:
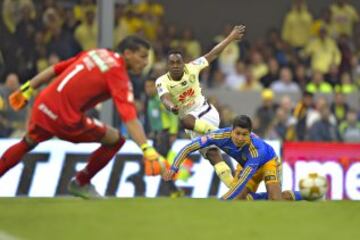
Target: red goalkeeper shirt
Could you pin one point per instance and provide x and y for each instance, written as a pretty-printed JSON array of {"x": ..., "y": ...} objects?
[{"x": 84, "y": 81}]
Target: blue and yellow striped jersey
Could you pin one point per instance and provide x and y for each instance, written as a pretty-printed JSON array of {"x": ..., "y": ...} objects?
[{"x": 250, "y": 156}]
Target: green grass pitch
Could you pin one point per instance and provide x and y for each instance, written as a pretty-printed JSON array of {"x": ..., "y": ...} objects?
[{"x": 172, "y": 219}]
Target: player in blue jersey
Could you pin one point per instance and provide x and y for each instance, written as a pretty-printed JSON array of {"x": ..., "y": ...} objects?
[{"x": 256, "y": 158}]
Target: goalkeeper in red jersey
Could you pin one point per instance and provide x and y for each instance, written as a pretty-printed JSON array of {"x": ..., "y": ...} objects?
[{"x": 79, "y": 84}]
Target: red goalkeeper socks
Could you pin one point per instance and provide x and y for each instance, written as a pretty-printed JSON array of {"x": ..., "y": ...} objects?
[
  {"x": 97, "y": 161},
  {"x": 13, "y": 156}
]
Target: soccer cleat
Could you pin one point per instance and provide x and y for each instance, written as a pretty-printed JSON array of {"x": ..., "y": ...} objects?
[
  {"x": 177, "y": 194},
  {"x": 87, "y": 191}
]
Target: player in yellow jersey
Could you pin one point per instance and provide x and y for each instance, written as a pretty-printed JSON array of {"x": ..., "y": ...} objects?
[{"x": 180, "y": 92}]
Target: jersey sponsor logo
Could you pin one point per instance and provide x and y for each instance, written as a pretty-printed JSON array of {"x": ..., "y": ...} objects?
[
  {"x": 43, "y": 108},
  {"x": 187, "y": 94}
]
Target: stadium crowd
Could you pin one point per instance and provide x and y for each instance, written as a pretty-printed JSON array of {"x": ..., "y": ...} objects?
[{"x": 307, "y": 55}]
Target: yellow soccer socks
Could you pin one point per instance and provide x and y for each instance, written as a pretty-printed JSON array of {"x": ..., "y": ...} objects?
[{"x": 224, "y": 173}]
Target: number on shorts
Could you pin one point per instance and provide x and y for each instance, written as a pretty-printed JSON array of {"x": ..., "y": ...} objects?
[{"x": 77, "y": 69}]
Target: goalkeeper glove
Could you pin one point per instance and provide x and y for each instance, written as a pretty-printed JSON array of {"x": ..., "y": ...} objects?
[
  {"x": 153, "y": 162},
  {"x": 20, "y": 97}
]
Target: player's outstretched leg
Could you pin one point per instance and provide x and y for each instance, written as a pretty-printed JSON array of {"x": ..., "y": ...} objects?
[
  {"x": 14, "y": 154},
  {"x": 81, "y": 185}
]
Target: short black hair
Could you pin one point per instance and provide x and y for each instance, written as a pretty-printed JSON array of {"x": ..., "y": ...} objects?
[
  {"x": 175, "y": 51},
  {"x": 243, "y": 121},
  {"x": 132, "y": 43}
]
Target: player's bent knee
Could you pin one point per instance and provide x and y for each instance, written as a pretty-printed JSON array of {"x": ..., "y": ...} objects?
[
  {"x": 213, "y": 155},
  {"x": 112, "y": 137},
  {"x": 30, "y": 142}
]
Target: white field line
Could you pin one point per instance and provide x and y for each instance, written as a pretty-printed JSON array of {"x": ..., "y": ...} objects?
[{"x": 7, "y": 236}]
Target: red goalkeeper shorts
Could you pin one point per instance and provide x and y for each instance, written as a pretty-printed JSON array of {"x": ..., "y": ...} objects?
[{"x": 42, "y": 128}]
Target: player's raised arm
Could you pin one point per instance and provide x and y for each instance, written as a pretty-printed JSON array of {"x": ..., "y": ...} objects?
[{"x": 236, "y": 35}]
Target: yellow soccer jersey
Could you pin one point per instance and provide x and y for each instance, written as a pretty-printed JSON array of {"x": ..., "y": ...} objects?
[
  {"x": 185, "y": 93},
  {"x": 344, "y": 18}
]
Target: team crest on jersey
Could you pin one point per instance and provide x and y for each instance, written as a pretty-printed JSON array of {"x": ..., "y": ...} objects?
[{"x": 203, "y": 139}]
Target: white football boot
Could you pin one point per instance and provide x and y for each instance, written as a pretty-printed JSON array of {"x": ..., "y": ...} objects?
[{"x": 87, "y": 191}]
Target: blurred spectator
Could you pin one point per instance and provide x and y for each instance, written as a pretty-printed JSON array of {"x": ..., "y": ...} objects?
[
  {"x": 323, "y": 130},
  {"x": 218, "y": 79},
  {"x": 86, "y": 32},
  {"x": 300, "y": 76},
  {"x": 318, "y": 85},
  {"x": 265, "y": 113},
  {"x": 272, "y": 75},
  {"x": 152, "y": 7},
  {"x": 191, "y": 46},
  {"x": 297, "y": 24},
  {"x": 279, "y": 126},
  {"x": 52, "y": 21},
  {"x": 82, "y": 8},
  {"x": 250, "y": 84},
  {"x": 285, "y": 83},
  {"x": 323, "y": 52},
  {"x": 339, "y": 107},
  {"x": 11, "y": 12},
  {"x": 301, "y": 111},
  {"x": 355, "y": 63},
  {"x": 25, "y": 32},
  {"x": 314, "y": 114},
  {"x": 257, "y": 65},
  {"x": 70, "y": 21},
  {"x": 64, "y": 45},
  {"x": 332, "y": 76},
  {"x": 286, "y": 103},
  {"x": 350, "y": 128},
  {"x": 236, "y": 79},
  {"x": 325, "y": 21},
  {"x": 152, "y": 14},
  {"x": 346, "y": 86},
  {"x": 11, "y": 122},
  {"x": 344, "y": 17},
  {"x": 346, "y": 48}
]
